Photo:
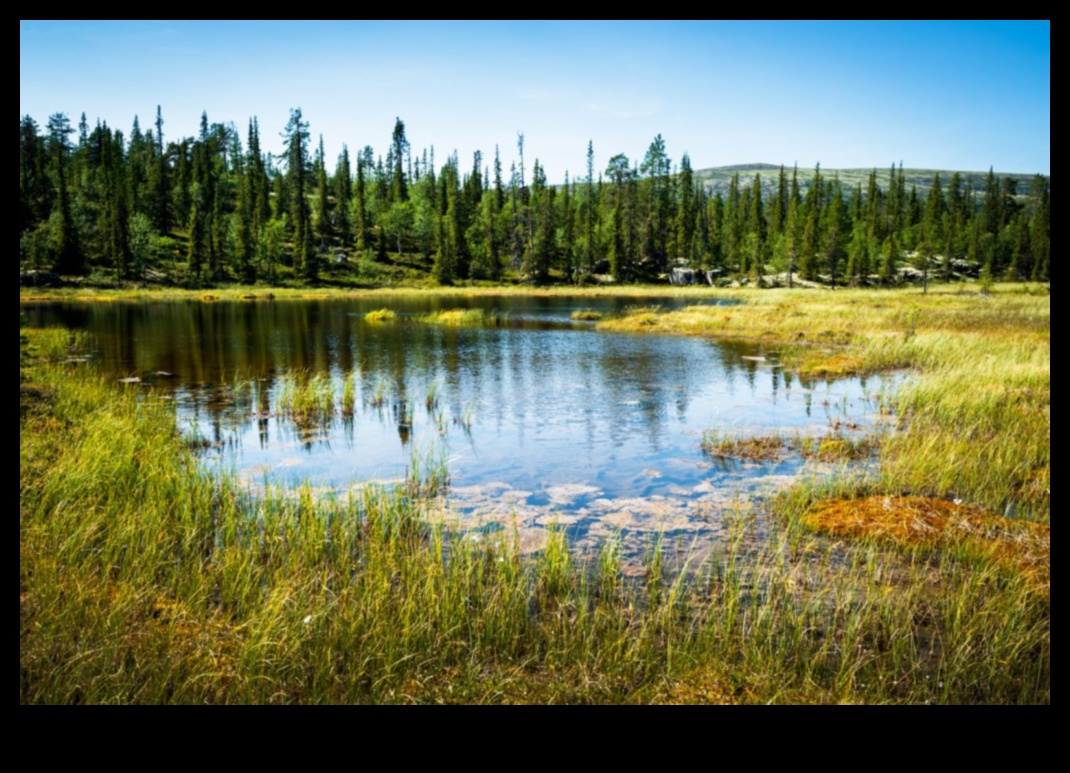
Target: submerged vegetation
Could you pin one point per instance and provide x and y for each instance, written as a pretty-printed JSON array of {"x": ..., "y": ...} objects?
[{"x": 145, "y": 580}]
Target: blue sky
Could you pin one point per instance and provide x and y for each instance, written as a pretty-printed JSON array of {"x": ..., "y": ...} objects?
[{"x": 950, "y": 95}]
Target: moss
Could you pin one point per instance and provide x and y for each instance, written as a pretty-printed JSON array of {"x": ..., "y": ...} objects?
[{"x": 1022, "y": 547}]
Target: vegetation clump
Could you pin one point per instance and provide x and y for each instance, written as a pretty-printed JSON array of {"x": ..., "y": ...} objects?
[
  {"x": 381, "y": 315},
  {"x": 586, "y": 315},
  {"x": 913, "y": 522},
  {"x": 757, "y": 449},
  {"x": 460, "y": 318}
]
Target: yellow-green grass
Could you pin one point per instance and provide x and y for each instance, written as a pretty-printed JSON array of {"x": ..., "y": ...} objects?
[
  {"x": 144, "y": 580},
  {"x": 381, "y": 315},
  {"x": 974, "y": 413},
  {"x": 460, "y": 318},
  {"x": 764, "y": 448},
  {"x": 586, "y": 315}
]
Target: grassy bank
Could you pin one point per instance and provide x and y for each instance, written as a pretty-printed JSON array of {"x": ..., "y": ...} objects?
[
  {"x": 143, "y": 580},
  {"x": 974, "y": 414}
]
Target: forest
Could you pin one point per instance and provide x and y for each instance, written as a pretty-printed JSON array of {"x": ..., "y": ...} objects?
[{"x": 98, "y": 204}]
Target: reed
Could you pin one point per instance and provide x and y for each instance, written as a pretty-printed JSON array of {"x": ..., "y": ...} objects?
[{"x": 306, "y": 399}]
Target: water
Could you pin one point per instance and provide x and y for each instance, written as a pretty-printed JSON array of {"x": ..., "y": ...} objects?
[{"x": 542, "y": 420}]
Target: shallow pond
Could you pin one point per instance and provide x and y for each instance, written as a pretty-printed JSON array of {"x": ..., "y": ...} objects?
[{"x": 539, "y": 419}]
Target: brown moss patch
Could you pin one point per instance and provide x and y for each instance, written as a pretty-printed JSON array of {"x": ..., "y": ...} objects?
[
  {"x": 756, "y": 449},
  {"x": 1019, "y": 546}
]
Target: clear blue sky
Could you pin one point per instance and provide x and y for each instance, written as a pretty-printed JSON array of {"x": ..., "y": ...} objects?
[{"x": 950, "y": 95}]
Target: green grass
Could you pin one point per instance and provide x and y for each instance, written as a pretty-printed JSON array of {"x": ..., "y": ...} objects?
[
  {"x": 144, "y": 580},
  {"x": 460, "y": 318},
  {"x": 381, "y": 315},
  {"x": 308, "y": 399},
  {"x": 975, "y": 418},
  {"x": 586, "y": 315}
]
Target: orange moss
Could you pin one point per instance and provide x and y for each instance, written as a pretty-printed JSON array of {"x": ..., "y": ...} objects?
[{"x": 1019, "y": 546}]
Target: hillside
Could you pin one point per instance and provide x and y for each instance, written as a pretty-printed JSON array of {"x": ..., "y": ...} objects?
[{"x": 718, "y": 178}]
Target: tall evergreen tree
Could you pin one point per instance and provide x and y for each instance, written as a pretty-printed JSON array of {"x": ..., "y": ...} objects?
[
  {"x": 343, "y": 190},
  {"x": 296, "y": 137},
  {"x": 69, "y": 258},
  {"x": 323, "y": 195}
]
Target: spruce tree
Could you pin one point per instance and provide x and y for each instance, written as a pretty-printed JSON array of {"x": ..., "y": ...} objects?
[
  {"x": 296, "y": 138},
  {"x": 343, "y": 190},
  {"x": 323, "y": 195},
  {"x": 69, "y": 258}
]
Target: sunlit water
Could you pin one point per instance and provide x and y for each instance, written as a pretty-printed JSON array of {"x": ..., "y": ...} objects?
[{"x": 540, "y": 420}]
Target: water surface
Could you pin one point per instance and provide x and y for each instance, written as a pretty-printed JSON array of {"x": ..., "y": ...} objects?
[{"x": 540, "y": 420}]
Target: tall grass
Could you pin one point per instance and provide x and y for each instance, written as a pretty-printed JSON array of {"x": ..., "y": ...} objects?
[
  {"x": 308, "y": 399},
  {"x": 975, "y": 422},
  {"x": 144, "y": 580}
]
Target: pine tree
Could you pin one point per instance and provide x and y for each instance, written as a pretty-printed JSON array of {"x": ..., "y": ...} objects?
[
  {"x": 685, "y": 227},
  {"x": 69, "y": 258},
  {"x": 590, "y": 213},
  {"x": 399, "y": 147},
  {"x": 343, "y": 190},
  {"x": 323, "y": 194},
  {"x": 835, "y": 233},
  {"x": 296, "y": 137}
]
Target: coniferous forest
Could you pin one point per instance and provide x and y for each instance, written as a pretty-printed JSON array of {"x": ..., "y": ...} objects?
[{"x": 97, "y": 203}]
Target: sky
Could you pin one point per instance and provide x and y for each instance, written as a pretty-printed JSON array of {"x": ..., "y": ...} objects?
[{"x": 934, "y": 95}]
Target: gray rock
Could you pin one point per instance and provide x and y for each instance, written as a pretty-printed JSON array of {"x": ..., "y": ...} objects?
[{"x": 40, "y": 279}]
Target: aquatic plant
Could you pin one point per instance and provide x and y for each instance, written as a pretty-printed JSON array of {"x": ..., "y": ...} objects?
[
  {"x": 381, "y": 315},
  {"x": 586, "y": 315}
]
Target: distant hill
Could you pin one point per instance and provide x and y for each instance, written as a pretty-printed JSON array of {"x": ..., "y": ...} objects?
[{"x": 719, "y": 177}]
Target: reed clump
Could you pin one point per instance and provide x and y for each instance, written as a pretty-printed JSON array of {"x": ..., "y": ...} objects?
[
  {"x": 460, "y": 318},
  {"x": 381, "y": 315},
  {"x": 307, "y": 399},
  {"x": 586, "y": 315}
]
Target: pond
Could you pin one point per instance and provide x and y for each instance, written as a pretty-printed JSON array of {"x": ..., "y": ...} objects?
[{"x": 540, "y": 420}]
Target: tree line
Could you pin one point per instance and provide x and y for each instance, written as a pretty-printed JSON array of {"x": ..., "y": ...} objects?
[{"x": 213, "y": 208}]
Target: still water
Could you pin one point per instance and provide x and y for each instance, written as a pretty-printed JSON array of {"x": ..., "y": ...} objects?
[{"x": 539, "y": 419}]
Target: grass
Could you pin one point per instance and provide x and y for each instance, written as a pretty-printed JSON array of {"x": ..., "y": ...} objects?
[
  {"x": 460, "y": 318},
  {"x": 769, "y": 448},
  {"x": 308, "y": 399},
  {"x": 586, "y": 315},
  {"x": 975, "y": 416},
  {"x": 381, "y": 315},
  {"x": 143, "y": 580}
]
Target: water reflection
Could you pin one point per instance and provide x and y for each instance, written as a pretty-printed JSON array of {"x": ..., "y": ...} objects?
[{"x": 540, "y": 418}]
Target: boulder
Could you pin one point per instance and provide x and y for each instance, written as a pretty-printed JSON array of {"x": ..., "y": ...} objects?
[{"x": 40, "y": 279}]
